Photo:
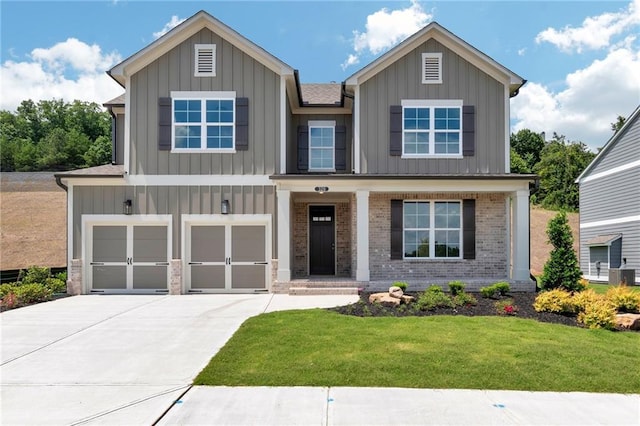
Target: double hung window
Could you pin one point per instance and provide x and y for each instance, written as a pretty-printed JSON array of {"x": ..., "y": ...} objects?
[
  {"x": 432, "y": 229},
  {"x": 431, "y": 129},
  {"x": 322, "y": 145}
]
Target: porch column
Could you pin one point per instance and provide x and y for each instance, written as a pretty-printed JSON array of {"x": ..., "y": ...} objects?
[
  {"x": 284, "y": 235},
  {"x": 362, "y": 235},
  {"x": 520, "y": 234}
]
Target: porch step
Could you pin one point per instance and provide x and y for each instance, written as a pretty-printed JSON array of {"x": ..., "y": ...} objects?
[
  {"x": 322, "y": 290},
  {"x": 325, "y": 284}
]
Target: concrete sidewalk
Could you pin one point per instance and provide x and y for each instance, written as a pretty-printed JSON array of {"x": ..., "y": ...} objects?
[{"x": 203, "y": 405}]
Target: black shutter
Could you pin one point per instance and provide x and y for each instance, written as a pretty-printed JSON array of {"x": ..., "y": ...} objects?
[
  {"x": 242, "y": 124},
  {"x": 469, "y": 229},
  {"x": 396, "y": 229},
  {"x": 341, "y": 148},
  {"x": 468, "y": 130},
  {"x": 164, "y": 124},
  {"x": 395, "y": 130},
  {"x": 303, "y": 147}
]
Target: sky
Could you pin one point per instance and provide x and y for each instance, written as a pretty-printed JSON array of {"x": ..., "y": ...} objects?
[{"x": 581, "y": 59}]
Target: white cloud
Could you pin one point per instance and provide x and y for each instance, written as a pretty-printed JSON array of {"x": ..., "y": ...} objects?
[
  {"x": 595, "y": 33},
  {"x": 522, "y": 51},
  {"x": 174, "y": 22},
  {"x": 68, "y": 70},
  {"x": 384, "y": 29},
  {"x": 584, "y": 110}
]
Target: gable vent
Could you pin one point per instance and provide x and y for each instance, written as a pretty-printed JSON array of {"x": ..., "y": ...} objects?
[
  {"x": 431, "y": 68},
  {"x": 205, "y": 60}
]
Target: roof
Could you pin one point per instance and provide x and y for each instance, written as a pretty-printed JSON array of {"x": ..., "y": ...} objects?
[
  {"x": 449, "y": 40},
  {"x": 610, "y": 143},
  {"x": 117, "y": 101},
  {"x": 182, "y": 32},
  {"x": 603, "y": 240},
  {"x": 321, "y": 94},
  {"x": 108, "y": 170}
]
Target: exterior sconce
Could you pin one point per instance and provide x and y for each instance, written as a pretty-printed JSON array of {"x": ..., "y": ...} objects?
[
  {"x": 224, "y": 207},
  {"x": 127, "y": 207},
  {"x": 321, "y": 189}
]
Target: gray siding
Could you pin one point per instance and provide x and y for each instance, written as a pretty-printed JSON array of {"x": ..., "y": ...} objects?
[
  {"x": 303, "y": 120},
  {"x": 625, "y": 150},
  {"x": 236, "y": 71},
  {"x": 174, "y": 200},
  {"x": 120, "y": 139},
  {"x": 461, "y": 80},
  {"x": 610, "y": 197},
  {"x": 630, "y": 244}
]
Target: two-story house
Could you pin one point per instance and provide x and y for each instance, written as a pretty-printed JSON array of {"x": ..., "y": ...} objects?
[{"x": 229, "y": 175}]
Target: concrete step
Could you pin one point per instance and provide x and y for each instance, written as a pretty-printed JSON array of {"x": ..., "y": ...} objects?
[
  {"x": 326, "y": 284},
  {"x": 316, "y": 291}
]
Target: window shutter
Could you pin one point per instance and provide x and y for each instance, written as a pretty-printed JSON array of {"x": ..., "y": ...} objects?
[
  {"x": 468, "y": 130},
  {"x": 469, "y": 228},
  {"x": 341, "y": 148},
  {"x": 303, "y": 147},
  {"x": 164, "y": 124},
  {"x": 242, "y": 124},
  {"x": 396, "y": 229},
  {"x": 395, "y": 129}
]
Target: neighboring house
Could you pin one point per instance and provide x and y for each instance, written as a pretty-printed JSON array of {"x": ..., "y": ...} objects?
[
  {"x": 610, "y": 205},
  {"x": 231, "y": 176}
]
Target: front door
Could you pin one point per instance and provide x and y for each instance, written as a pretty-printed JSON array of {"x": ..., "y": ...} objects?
[{"x": 322, "y": 240}]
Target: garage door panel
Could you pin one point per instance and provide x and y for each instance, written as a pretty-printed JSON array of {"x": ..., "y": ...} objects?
[
  {"x": 150, "y": 277},
  {"x": 247, "y": 243},
  {"x": 109, "y": 243},
  {"x": 207, "y": 244},
  {"x": 150, "y": 244},
  {"x": 248, "y": 277},
  {"x": 207, "y": 277},
  {"x": 109, "y": 277}
]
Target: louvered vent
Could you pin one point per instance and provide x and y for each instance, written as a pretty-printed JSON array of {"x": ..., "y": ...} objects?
[
  {"x": 205, "y": 60},
  {"x": 431, "y": 68}
]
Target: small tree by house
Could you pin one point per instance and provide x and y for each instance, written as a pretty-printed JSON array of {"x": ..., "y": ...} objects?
[{"x": 561, "y": 270}]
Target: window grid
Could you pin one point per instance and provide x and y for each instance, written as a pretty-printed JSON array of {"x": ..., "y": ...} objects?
[
  {"x": 431, "y": 130},
  {"x": 211, "y": 130},
  {"x": 321, "y": 147},
  {"x": 432, "y": 229}
]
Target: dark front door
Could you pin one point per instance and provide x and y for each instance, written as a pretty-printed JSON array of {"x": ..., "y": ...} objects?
[{"x": 322, "y": 240}]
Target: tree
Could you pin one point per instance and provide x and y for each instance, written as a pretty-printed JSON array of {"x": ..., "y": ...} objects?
[
  {"x": 561, "y": 270},
  {"x": 617, "y": 125},
  {"x": 528, "y": 145},
  {"x": 518, "y": 165},
  {"x": 99, "y": 152}
]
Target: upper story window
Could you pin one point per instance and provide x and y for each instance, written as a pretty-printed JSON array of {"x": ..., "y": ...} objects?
[
  {"x": 205, "y": 60},
  {"x": 203, "y": 121},
  {"x": 431, "y": 128},
  {"x": 432, "y": 229},
  {"x": 322, "y": 145},
  {"x": 431, "y": 68}
]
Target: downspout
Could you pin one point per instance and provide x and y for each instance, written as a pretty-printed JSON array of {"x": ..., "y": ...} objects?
[
  {"x": 113, "y": 136},
  {"x": 60, "y": 184},
  {"x": 531, "y": 276}
]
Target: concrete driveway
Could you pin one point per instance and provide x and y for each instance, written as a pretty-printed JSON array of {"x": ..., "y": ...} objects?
[{"x": 118, "y": 359}]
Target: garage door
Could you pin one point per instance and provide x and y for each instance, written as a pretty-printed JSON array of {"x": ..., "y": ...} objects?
[
  {"x": 128, "y": 258},
  {"x": 227, "y": 257}
]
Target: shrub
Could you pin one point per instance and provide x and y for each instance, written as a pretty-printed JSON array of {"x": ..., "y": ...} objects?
[
  {"x": 433, "y": 298},
  {"x": 464, "y": 299},
  {"x": 9, "y": 300},
  {"x": 623, "y": 299},
  {"x": 402, "y": 284},
  {"x": 36, "y": 274},
  {"x": 556, "y": 300},
  {"x": 56, "y": 285},
  {"x": 506, "y": 307},
  {"x": 6, "y": 289},
  {"x": 600, "y": 314},
  {"x": 561, "y": 270},
  {"x": 456, "y": 287},
  {"x": 488, "y": 292},
  {"x": 584, "y": 298},
  {"x": 62, "y": 276},
  {"x": 502, "y": 287},
  {"x": 32, "y": 293}
]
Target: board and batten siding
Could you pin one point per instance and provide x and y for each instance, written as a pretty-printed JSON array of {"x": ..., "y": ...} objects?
[
  {"x": 610, "y": 197},
  {"x": 630, "y": 244},
  {"x": 235, "y": 71},
  {"x": 173, "y": 200},
  {"x": 461, "y": 80}
]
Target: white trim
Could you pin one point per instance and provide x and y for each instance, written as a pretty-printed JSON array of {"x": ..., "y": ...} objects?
[
  {"x": 613, "y": 171},
  {"x": 70, "y": 221},
  {"x": 196, "y": 69},
  {"x": 356, "y": 131},
  {"x": 442, "y": 156},
  {"x": 433, "y": 103},
  {"x": 430, "y": 55},
  {"x": 283, "y": 125},
  {"x": 127, "y": 127},
  {"x": 607, "y": 222},
  {"x": 198, "y": 180},
  {"x": 212, "y": 94},
  {"x": 521, "y": 259},
  {"x": 323, "y": 124},
  {"x": 362, "y": 236},
  {"x": 508, "y": 233},
  {"x": 283, "y": 201},
  {"x": 507, "y": 130}
]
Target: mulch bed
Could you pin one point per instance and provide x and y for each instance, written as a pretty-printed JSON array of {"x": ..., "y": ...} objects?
[{"x": 485, "y": 307}]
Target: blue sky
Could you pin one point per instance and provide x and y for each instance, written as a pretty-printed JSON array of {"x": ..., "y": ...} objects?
[{"x": 581, "y": 59}]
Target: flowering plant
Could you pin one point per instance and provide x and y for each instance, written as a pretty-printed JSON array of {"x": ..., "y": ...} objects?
[{"x": 506, "y": 307}]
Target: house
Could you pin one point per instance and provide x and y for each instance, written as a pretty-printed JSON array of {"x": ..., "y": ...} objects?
[
  {"x": 229, "y": 175},
  {"x": 610, "y": 205}
]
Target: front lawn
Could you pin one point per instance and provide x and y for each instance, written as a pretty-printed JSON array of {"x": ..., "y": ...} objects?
[
  {"x": 602, "y": 288},
  {"x": 323, "y": 348}
]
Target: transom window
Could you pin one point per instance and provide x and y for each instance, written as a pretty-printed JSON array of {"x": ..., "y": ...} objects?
[
  {"x": 431, "y": 129},
  {"x": 432, "y": 229},
  {"x": 322, "y": 145},
  {"x": 203, "y": 121}
]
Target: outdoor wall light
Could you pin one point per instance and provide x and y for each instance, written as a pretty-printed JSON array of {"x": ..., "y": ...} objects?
[
  {"x": 127, "y": 207},
  {"x": 321, "y": 189},
  {"x": 224, "y": 207}
]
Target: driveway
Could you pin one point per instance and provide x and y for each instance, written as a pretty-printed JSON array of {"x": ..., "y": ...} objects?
[{"x": 118, "y": 359}]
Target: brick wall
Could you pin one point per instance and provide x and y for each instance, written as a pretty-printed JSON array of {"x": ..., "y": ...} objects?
[{"x": 491, "y": 244}]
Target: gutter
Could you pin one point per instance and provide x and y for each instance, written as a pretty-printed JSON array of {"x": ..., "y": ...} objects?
[{"x": 60, "y": 184}]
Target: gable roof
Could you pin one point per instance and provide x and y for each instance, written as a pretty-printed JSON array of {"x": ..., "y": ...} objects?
[
  {"x": 185, "y": 30},
  {"x": 449, "y": 40},
  {"x": 610, "y": 143}
]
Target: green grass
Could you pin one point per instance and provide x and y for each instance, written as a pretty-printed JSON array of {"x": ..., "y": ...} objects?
[
  {"x": 323, "y": 348},
  {"x": 602, "y": 288}
]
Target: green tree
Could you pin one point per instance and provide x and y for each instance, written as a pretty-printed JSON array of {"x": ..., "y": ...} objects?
[
  {"x": 518, "y": 165},
  {"x": 99, "y": 152},
  {"x": 528, "y": 145},
  {"x": 561, "y": 270},
  {"x": 617, "y": 125}
]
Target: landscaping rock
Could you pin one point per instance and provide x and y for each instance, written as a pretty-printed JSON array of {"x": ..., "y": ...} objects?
[
  {"x": 395, "y": 292},
  {"x": 628, "y": 321},
  {"x": 407, "y": 299},
  {"x": 384, "y": 298}
]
